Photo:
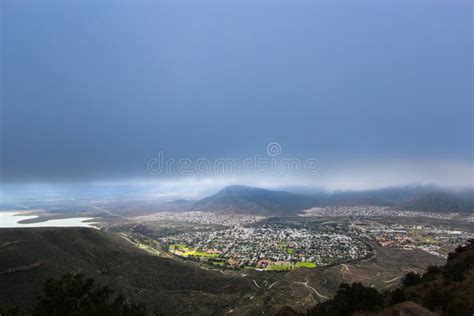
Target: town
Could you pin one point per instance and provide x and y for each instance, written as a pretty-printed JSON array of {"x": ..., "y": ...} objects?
[
  {"x": 268, "y": 247},
  {"x": 342, "y": 234},
  {"x": 204, "y": 218},
  {"x": 369, "y": 211},
  {"x": 434, "y": 240}
]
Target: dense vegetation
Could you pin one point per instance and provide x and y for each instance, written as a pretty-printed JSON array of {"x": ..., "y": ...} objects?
[
  {"x": 73, "y": 294},
  {"x": 76, "y": 295}
]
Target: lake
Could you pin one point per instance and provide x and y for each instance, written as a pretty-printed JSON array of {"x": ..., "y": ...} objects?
[{"x": 12, "y": 219}]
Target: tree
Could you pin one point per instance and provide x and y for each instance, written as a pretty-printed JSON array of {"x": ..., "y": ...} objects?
[
  {"x": 411, "y": 278},
  {"x": 75, "y": 295},
  {"x": 437, "y": 299},
  {"x": 458, "y": 306},
  {"x": 11, "y": 311},
  {"x": 351, "y": 298},
  {"x": 455, "y": 272},
  {"x": 397, "y": 296}
]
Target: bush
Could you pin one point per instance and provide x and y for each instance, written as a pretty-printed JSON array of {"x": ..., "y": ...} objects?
[
  {"x": 455, "y": 272},
  {"x": 437, "y": 299},
  {"x": 397, "y": 296},
  {"x": 431, "y": 273},
  {"x": 467, "y": 246},
  {"x": 11, "y": 311},
  {"x": 74, "y": 295},
  {"x": 350, "y": 299},
  {"x": 411, "y": 278},
  {"x": 458, "y": 307}
]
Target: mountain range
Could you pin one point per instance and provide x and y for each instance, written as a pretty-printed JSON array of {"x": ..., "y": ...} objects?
[{"x": 239, "y": 199}]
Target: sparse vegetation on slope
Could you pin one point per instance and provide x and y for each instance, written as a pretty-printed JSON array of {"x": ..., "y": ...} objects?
[
  {"x": 446, "y": 290},
  {"x": 165, "y": 285}
]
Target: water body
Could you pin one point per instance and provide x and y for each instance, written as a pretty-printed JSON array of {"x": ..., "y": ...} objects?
[{"x": 12, "y": 219}]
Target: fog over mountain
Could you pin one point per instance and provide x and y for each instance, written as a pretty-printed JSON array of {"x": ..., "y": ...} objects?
[{"x": 238, "y": 199}]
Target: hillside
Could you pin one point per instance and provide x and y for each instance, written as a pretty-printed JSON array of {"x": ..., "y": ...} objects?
[
  {"x": 237, "y": 199},
  {"x": 382, "y": 197},
  {"x": 172, "y": 287},
  {"x": 443, "y": 290},
  {"x": 30, "y": 256},
  {"x": 447, "y": 290},
  {"x": 442, "y": 202},
  {"x": 420, "y": 198},
  {"x": 249, "y": 200}
]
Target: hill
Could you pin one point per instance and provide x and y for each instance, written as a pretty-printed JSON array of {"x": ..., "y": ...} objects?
[
  {"x": 414, "y": 198},
  {"x": 442, "y": 202},
  {"x": 250, "y": 200},
  {"x": 170, "y": 286},
  {"x": 238, "y": 199},
  {"x": 30, "y": 256},
  {"x": 381, "y": 197},
  {"x": 445, "y": 290}
]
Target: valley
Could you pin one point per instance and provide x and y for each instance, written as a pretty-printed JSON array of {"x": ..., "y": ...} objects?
[{"x": 248, "y": 262}]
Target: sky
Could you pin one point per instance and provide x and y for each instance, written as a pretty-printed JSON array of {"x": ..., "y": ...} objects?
[{"x": 378, "y": 92}]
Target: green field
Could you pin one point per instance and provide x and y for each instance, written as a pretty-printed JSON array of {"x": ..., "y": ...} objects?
[
  {"x": 178, "y": 246},
  {"x": 187, "y": 251},
  {"x": 195, "y": 253},
  {"x": 218, "y": 263},
  {"x": 306, "y": 264},
  {"x": 284, "y": 266}
]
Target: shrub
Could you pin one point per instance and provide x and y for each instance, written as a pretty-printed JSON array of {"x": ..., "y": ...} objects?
[
  {"x": 411, "y": 278},
  {"x": 458, "y": 307},
  {"x": 74, "y": 295},
  {"x": 349, "y": 299},
  {"x": 397, "y": 296}
]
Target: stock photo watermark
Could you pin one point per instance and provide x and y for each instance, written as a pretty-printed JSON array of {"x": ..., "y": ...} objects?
[{"x": 271, "y": 162}]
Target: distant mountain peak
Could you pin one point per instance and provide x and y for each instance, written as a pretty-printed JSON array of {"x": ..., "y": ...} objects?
[
  {"x": 234, "y": 190},
  {"x": 252, "y": 200}
]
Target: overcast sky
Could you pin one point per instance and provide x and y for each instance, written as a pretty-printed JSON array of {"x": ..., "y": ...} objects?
[{"x": 91, "y": 90}]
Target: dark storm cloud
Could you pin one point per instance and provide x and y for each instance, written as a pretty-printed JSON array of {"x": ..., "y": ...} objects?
[{"x": 93, "y": 89}]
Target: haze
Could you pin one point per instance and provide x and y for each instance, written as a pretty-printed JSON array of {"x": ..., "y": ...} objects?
[{"x": 92, "y": 90}]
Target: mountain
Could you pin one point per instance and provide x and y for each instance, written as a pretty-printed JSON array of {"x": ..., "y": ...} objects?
[
  {"x": 381, "y": 197},
  {"x": 421, "y": 199},
  {"x": 442, "y": 201},
  {"x": 238, "y": 199},
  {"x": 180, "y": 202}
]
